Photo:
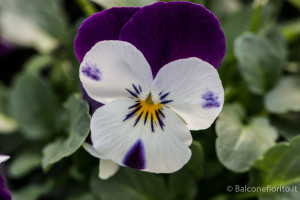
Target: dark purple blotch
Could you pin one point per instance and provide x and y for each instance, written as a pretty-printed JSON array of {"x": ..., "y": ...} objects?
[
  {"x": 211, "y": 100},
  {"x": 4, "y": 192},
  {"x": 135, "y": 157},
  {"x": 92, "y": 72}
]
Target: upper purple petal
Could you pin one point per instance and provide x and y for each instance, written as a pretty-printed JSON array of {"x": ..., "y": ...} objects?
[
  {"x": 165, "y": 32},
  {"x": 4, "y": 192},
  {"x": 105, "y": 25}
]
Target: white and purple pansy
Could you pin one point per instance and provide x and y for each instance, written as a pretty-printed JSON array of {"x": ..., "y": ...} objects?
[
  {"x": 149, "y": 75},
  {"x": 4, "y": 192}
]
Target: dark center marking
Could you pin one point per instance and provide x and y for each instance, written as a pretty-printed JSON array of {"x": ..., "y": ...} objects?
[{"x": 146, "y": 110}]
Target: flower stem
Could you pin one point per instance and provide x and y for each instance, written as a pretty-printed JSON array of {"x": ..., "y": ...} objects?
[
  {"x": 87, "y": 7},
  {"x": 258, "y": 4}
]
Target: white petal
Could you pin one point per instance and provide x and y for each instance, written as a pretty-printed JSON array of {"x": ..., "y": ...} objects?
[
  {"x": 89, "y": 148},
  {"x": 195, "y": 88},
  {"x": 4, "y": 158},
  {"x": 111, "y": 67},
  {"x": 163, "y": 151},
  {"x": 107, "y": 168}
]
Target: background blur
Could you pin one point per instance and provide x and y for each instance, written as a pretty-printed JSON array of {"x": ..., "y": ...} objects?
[{"x": 43, "y": 120}]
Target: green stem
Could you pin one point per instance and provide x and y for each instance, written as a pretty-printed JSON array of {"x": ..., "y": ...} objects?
[
  {"x": 256, "y": 15},
  {"x": 87, "y": 7}
]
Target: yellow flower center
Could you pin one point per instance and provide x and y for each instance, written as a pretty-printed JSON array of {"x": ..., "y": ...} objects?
[
  {"x": 149, "y": 110},
  {"x": 146, "y": 110}
]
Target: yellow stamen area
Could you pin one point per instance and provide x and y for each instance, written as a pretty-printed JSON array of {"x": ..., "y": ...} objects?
[{"x": 149, "y": 108}]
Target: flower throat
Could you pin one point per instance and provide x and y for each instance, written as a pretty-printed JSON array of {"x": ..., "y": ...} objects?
[{"x": 146, "y": 111}]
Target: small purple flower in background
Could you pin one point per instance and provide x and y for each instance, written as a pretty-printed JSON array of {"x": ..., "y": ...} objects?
[
  {"x": 4, "y": 192},
  {"x": 5, "y": 48},
  {"x": 152, "y": 70}
]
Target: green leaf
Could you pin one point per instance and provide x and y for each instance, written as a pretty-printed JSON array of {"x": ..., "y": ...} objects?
[
  {"x": 287, "y": 125},
  {"x": 35, "y": 23},
  {"x": 196, "y": 163},
  {"x": 238, "y": 145},
  {"x": 4, "y": 99},
  {"x": 124, "y": 3},
  {"x": 77, "y": 115},
  {"x": 277, "y": 41},
  {"x": 24, "y": 163},
  {"x": 38, "y": 63},
  {"x": 7, "y": 124},
  {"x": 182, "y": 185},
  {"x": 34, "y": 106},
  {"x": 235, "y": 25},
  {"x": 129, "y": 184},
  {"x": 85, "y": 196},
  {"x": 260, "y": 60},
  {"x": 279, "y": 167},
  {"x": 33, "y": 192},
  {"x": 291, "y": 31},
  {"x": 285, "y": 96}
]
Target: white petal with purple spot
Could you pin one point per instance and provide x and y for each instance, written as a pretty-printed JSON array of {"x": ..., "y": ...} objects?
[
  {"x": 195, "y": 89},
  {"x": 111, "y": 66},
  {"x": 145, "y": 124},
  {"x": 144, "y": 145}
]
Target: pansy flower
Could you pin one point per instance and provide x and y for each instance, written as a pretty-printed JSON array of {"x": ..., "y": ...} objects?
[
  {"x": 149, "y": 75},
  {"x": 4, "y": 192}
]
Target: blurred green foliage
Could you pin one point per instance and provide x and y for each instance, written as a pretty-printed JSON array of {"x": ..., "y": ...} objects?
[{"x": 44, "y": 121}]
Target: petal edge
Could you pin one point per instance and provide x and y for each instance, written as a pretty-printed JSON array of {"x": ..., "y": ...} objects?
[{"x": 165, "y": 32}]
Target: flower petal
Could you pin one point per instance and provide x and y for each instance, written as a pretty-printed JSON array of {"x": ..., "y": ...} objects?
[
  {"x": 195, "y": 88},
  {"x": 165, "y": 32},
  {"x": 4, "y": 158},
  {"x": 136, "y": 145},
  {"x": 105, "y": 25},
  {"x": 91, "y": 150},
  {"x": 4, "y": 192},
  {"x": 107, "y": 169},
  {"x": 94, "y": 105},
  {"x": 113, "y": 69}
]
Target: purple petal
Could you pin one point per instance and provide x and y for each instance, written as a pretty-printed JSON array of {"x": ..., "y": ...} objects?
[
  {"x": 105, "y": 25},
  {"x": 4, "y": 192},
  {"x": 135, "y": 157},
  {"x": 165, "y": 32}
]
